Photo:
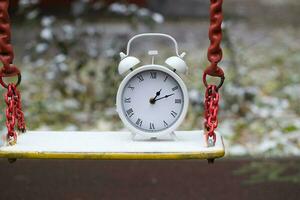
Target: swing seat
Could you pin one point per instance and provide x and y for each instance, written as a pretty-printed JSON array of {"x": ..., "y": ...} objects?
[{"x": 109, "y": 146}]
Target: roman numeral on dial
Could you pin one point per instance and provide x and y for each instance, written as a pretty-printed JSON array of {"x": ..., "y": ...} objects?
[
  {"x": 175, "y": 88},
  {"x": 166, "y": 78},
  {"x": 173, "y": 113},
  {"x": 153, "y": 75},
  {"x": 166, "y": 124},
  {"x": 140, "y": 77},
  {"x": 152, "y": 126},
  {"x": 139, "y": 122},
  {"x": 178, "y": 101},
  {"x": 130, "y": 87},
  {"x": 130, "y": 112},
  {"x": 127, "y": 100}
]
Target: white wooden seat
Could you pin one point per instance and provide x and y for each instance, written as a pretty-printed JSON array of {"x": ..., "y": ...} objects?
[{"x": 110, "y": 145}]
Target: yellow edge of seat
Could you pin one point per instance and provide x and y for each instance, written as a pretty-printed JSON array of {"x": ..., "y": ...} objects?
[{"x": 112, "y": 156}]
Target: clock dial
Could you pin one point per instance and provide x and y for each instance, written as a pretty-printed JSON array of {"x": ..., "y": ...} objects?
[{"x": 152, "y": 100}]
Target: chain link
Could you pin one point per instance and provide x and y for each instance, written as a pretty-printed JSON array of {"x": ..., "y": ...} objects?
[
  {"x": 7, "y": 53},
  {"x": 6, "y": 48},
  {"x": 214, "y": 52},
  {"x": 10, "y": 115},
  {"x": 214, "y": 55},
  {"x": 19, "y": 113},
  {"x": 13, "y": 111},
  {"x": 211, "y": 105}
]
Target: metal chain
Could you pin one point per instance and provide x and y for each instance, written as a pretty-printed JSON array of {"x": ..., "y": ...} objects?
[
  {"x": 214, "y": 55},
  {"x": 6, "y": 49},
  {"x": 19, "y": 113},
  {"x": 12, "y": 97},
  {"x": 11, "y": 115},
  {"x": 7, "y": 53},
  {"x": 211, "y": 105}
]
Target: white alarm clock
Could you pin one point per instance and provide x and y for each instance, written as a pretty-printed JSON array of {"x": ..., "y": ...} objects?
[{"x": 152, "y": 99}]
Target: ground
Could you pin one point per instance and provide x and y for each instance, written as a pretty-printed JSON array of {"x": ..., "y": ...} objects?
[{"x": 149, "y": 180}]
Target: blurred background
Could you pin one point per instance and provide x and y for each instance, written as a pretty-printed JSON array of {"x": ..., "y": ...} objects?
[{"x": 69, "y": 51}]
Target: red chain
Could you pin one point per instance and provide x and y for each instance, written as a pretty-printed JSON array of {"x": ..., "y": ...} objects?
[
  {"x": 13, "y": 113},
  {"x": 10, "y": 115},
  {"x": 6, "y": 49},
  {"x": 211, "y": 105},
  {"x": 12, "y": 97},
  {"x": 18, "y": 110},
  {"x": 7, "y": 53},
  {"x": 214, "y": 55}
]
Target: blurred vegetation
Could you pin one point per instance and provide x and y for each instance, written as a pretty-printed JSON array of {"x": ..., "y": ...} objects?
[
  {"x": 74, "y": 69},
  {"x": 270, "y": 171},
  {"x": 69, "y": 68}
]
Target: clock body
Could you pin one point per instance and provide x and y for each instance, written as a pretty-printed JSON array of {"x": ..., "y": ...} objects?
[{"x": 152, "y": 101}]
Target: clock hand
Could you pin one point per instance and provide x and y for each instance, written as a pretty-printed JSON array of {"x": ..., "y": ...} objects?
[
  {"x": 152, "y": 100},
  {"x": 157, "y": 94},
  {"x": 165, "y": 97}
]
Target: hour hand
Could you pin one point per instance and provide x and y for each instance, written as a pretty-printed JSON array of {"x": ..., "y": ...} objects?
[
  {"x": 152, "y": 100},
  {"x": 157, "y": 94}
]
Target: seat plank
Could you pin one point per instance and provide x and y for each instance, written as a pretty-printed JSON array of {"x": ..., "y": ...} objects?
[{"x": 110, "y": 145}]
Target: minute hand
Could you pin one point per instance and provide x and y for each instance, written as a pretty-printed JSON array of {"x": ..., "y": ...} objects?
[{"x": 164, "y": 97}]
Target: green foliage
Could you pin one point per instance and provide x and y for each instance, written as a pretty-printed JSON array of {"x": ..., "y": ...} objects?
[
  {"x": 271, "y": 171},
  {"x": 290, "y": 128},
  {"x": 69, "y": 68},
  {"x": 71, "y": 63}
]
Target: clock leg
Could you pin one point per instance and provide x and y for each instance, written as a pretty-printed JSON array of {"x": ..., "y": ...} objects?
[
  {"x": 133, "y": 136},
  {"x": 173, "y": 136},
  {"x": 211, "y": 161}
]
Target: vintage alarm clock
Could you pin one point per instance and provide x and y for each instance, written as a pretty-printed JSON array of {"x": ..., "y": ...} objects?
[{"x": 152, "y": 99}]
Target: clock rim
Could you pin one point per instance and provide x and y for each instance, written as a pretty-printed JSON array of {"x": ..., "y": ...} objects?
[{"x": 122, "y": 115}]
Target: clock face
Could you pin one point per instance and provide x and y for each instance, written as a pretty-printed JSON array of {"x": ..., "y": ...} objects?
[{"x": 152, "y": 100}]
